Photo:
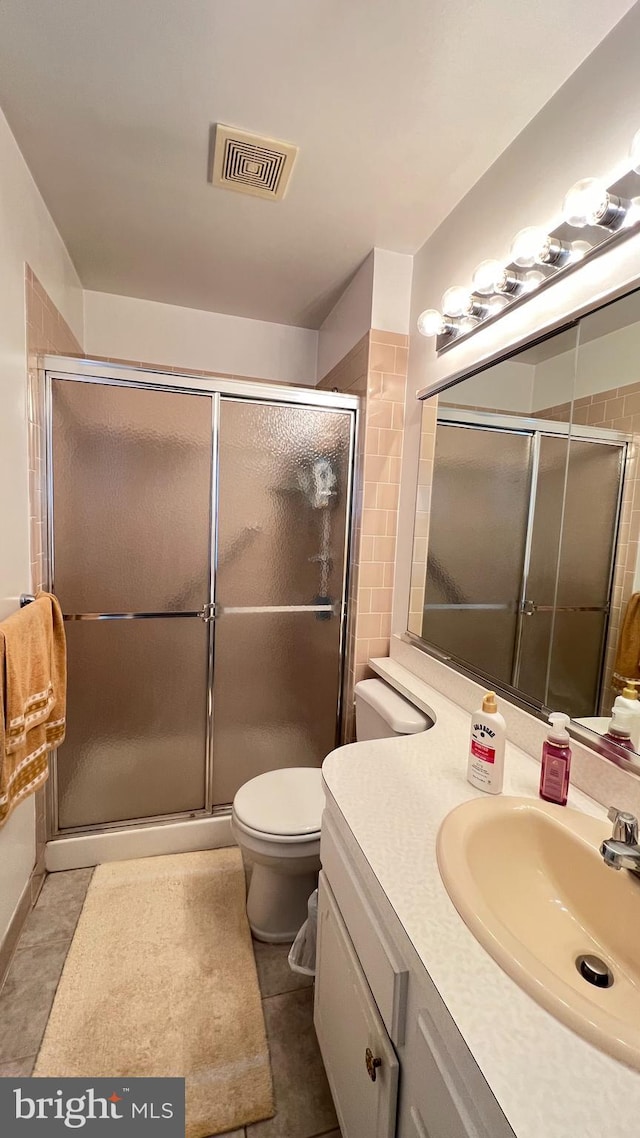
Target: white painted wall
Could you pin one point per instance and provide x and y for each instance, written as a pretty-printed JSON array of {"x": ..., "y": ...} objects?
[
  {"x": 555, "y": 381},
  {"x": 349, "y": 319},
  {"x": 378, "y": 296},
  {"x": 575, "y": 135},
  {"x": 610, "y": 361},
  {"x": 391, "y": 300},
  {"x": 124, "y": 327},
  {"x": 506, "y": 387},
  {"x": 27, "y": 233}
]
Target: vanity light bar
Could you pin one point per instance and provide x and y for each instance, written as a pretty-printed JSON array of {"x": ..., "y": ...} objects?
[{"x": 537, "y": 257}]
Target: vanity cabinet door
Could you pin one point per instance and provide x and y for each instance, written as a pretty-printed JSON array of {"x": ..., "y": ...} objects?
[
  {"x": 360, "y": 1061},
  {"x": 436, "y": 1102},
  {"x": 385, "y": 970}
]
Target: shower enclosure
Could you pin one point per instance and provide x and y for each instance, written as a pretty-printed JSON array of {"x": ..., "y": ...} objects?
[
  {"x": 521, "y": 549},
  {"x": 198, "y": 541}
]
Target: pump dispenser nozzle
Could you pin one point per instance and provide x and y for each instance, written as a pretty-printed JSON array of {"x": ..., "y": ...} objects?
[{"x": 559, "y": 724}]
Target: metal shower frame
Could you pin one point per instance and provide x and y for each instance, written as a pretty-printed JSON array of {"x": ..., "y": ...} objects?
[{"x": 54, "y": 368}]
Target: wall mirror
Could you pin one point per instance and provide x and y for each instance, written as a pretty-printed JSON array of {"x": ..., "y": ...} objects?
[{"x": 526, "y": 540}]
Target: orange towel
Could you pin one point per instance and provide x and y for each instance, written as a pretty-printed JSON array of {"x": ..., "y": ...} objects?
[
  {"x": 33, "y": 690},
  {"x": 627, "y": 665}
]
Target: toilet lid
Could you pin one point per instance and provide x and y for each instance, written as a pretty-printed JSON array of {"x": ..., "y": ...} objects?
[{"x": 285, "y": 802}]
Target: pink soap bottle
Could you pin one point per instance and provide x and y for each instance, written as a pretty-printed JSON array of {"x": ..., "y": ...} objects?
[{"x": 556, "y": 761}]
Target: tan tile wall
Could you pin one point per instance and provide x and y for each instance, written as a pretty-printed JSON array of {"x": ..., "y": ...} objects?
[
  {"x": 46, "y": 332},
  {"x": 375, "y": 369},
  {"x": 561, "y": 413}
]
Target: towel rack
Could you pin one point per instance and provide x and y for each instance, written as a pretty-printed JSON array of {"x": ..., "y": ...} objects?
[{"x": 26, "y": 599}]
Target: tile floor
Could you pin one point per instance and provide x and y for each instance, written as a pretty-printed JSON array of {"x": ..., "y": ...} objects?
[{"x": 303, "y": 1103}]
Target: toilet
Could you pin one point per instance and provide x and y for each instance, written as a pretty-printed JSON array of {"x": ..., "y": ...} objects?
[
  {"x": 381, "y": 712},
  {"x": 276, "y": 819}
]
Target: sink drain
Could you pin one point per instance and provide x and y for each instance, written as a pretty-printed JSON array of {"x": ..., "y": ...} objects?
[{"x": 594, "y": 971}]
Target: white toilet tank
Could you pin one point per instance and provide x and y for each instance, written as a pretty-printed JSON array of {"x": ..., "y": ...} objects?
[{"x": 381, "y": 712}]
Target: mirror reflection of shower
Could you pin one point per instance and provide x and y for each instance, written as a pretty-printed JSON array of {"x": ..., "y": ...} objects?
[{"x": 319, "y": 484}]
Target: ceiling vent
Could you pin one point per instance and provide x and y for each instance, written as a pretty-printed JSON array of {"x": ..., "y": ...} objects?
[{"x": 250, "y": 164}]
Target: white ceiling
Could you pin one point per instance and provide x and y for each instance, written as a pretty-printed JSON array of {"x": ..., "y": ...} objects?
[{"x": 398, "y": 107}]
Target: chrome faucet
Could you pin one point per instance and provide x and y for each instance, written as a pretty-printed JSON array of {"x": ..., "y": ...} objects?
[{"x": 621, "y": 850}]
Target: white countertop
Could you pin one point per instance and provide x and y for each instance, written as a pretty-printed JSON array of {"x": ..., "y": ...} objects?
[{"x": 393, "y": 794}]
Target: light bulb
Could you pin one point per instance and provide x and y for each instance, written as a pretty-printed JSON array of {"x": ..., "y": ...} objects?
[
  {"x": 431, "y": 322},
  {"x": 528, "y": 246},
  {"x": 586, "y": 203},
  {"x": 578, "y": 250},
  {"x": 456, "y": 301},
  {"x": 485, "y": 277},
  {"x": 634, "y": 153},
  {"x": 532, "y": 280},
  {"x": 497, "y": 304},
  {"x": 509, "y": 284}
]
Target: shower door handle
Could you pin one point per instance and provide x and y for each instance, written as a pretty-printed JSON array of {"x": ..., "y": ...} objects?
[
  {"x": 528, "y": 608},
  {"x": 238, "y": 610},
  {"x": 209, "y": 612}
]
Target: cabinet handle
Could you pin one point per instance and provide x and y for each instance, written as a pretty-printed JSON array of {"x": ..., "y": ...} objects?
[{"x": 373, "y": 1062}]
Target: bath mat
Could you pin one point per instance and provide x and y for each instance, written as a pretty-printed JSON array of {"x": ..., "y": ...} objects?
[{"x": 161, "y": 980}]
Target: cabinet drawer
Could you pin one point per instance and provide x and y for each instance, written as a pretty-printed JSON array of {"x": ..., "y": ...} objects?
[
  {"x": 385, "y": 971},
  {"x": 349, "y": 1030}
]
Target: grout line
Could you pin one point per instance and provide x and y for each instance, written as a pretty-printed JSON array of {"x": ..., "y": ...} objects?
[
  {"x": 43, "y": 944},
  {"x": 288, "y": 992}
]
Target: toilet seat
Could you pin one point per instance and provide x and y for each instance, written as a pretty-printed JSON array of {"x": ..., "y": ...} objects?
[
  {"x": 275, "y": 839},
  {"x": 282, "y": 806}
]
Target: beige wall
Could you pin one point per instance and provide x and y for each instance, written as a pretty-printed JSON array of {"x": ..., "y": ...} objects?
[{"x": 376, "y": 370}]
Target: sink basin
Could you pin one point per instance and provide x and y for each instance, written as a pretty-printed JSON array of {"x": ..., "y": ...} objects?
[{"x": 528, "y": 880}]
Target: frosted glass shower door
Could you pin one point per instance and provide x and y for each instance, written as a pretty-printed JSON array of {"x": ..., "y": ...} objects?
[
  {"x": 477, "y": 537},
  {"x": 531, "y": 670},
  {"x": 594, "y": 482},
  {"x": 132, "y": 472},
  {"x": 283, "y": 492},
  {"x": 569, "y": 580}
]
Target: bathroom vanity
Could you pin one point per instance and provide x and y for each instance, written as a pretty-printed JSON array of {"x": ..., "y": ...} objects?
[
  {"x": 423, "y": 1035},
  {"x": 378, "y": 1013}
]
